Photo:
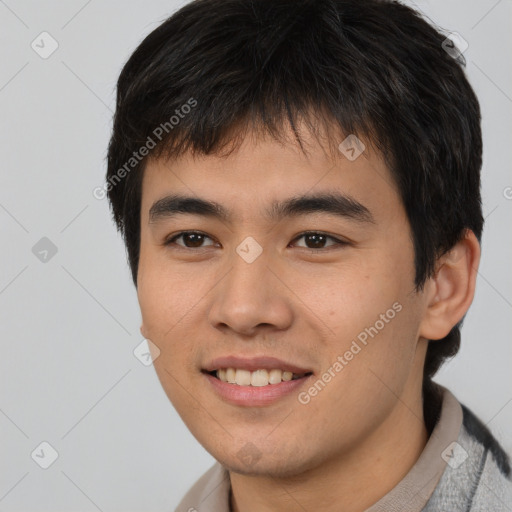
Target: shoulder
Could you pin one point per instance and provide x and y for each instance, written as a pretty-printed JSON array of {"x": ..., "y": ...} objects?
[
  {"x": 478, "y": 476},
  {"x": 492, "y": 483},
  {"x": 479, "y": 433}
]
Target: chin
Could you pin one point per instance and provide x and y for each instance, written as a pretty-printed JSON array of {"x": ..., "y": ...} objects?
[{"x": 271, "y": 466}]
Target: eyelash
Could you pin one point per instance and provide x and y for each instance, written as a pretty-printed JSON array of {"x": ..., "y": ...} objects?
[{"x": 338, "y": 242}]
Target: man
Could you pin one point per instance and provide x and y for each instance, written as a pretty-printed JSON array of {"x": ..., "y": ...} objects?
[{"x": 298, "y": 186}]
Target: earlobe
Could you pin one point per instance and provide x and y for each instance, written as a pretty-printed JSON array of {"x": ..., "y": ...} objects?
[
  {"x": 451, "y": 290},
  {"x": 143, "y": 331}
]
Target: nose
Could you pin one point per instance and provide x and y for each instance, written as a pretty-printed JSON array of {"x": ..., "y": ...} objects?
[{"x": 251, "y": 297}]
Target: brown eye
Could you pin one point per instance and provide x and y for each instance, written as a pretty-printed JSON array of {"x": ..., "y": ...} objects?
[
  {"x": 190, "y": 239},
  {"x": 315, "y": 240}
]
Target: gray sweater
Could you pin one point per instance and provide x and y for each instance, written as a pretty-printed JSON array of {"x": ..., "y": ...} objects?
[
  {"x": 482, "y": 482},
  {"x": 462, "y": 468}
]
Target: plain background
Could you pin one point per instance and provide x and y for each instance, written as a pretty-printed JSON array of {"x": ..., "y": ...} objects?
[{"x": 69, "y": 326}]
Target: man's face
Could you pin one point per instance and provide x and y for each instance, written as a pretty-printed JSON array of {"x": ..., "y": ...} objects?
[{"x": 330, "y": 297}]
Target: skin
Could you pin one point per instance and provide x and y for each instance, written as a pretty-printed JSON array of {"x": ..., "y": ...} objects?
[{"x": 355, "y": 440}]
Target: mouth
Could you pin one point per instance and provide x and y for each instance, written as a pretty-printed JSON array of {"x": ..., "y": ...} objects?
[
  {"x": 257, "y": 378},
  {"x": 254, "y": 382}
]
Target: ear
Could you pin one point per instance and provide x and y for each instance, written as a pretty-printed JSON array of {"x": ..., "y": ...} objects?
[
  {"x": 450, "y": 291},
  {"x": 143, "y": 331}
]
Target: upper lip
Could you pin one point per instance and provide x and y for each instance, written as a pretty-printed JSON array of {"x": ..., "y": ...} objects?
[{"x": 253, "y": 364}]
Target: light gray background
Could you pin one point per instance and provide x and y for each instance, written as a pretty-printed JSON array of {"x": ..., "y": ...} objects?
[{"x": 69, "y": 326}]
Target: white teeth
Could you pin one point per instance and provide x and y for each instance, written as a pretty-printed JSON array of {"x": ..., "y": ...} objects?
[
  {"x": 274, "y": 376},
  {"x": 243, "y": 377},
  {"x": 257, "y": 378},
  {"x": 287, "y": 376}
]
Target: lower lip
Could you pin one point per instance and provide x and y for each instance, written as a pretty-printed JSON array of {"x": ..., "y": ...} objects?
[{"x": 254, "y": 396}]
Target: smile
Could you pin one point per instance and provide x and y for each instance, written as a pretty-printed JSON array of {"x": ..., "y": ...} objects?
[{"x": 257, "y": 378}]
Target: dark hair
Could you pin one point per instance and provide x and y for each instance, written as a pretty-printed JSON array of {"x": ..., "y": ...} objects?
[{"x": 375, "y": 68}]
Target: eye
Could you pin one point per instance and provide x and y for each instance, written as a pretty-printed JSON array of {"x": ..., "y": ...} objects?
[
  {"x": 316, "y": 240},
  {"x": 190, "y": 239}
]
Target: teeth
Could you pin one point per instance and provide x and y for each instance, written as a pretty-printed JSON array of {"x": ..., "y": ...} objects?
[
  {"x": 274, "y": 376},
  {"x": 257, "y": 378},
  {"x": 243, "y": 377},
  {"x": 230, "y": 375}
]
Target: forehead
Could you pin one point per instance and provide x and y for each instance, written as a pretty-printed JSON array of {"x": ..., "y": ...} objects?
[{"x": 263, "y": 172}]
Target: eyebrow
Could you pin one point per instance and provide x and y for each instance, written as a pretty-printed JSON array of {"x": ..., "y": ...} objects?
[{"x": 337, "y": 204}]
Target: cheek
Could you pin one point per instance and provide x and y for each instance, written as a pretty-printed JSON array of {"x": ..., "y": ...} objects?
[
  {"x": 352, "y": 299},
  {"x": 372, "y": 317},
  {"x": 165, "y": 302},
  {"x": 166, "y": 294},
  {"x": 165, "y": 305}
]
